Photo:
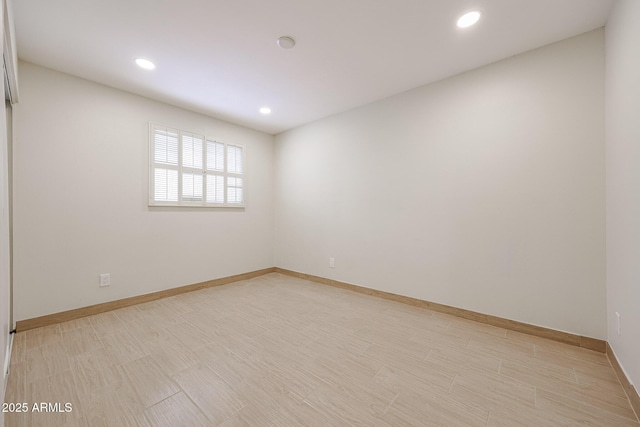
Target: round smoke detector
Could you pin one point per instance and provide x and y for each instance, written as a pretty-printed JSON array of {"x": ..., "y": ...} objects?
[{"x": 286, "y": 42}]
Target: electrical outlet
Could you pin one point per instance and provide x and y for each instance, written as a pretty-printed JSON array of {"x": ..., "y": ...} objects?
[
  {"x": 618, "y": 319},
  {"x": 105, "y": 279},
  {"x": 332, "y": 263}
]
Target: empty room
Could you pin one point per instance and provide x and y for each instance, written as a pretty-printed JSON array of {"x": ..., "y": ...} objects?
[{"x": 320, "y": 213}]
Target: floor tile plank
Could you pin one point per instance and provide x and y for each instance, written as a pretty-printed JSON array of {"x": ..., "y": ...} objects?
[{"x": 280, "y": 351}]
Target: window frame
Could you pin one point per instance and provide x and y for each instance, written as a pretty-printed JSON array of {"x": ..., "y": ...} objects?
[{"x": 181, "y": 169}]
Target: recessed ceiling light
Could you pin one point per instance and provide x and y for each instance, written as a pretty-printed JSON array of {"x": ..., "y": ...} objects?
[
  {"x": 286, "y": 42},
  {"x": 468, "y": 19},
  {"x": 145, "y": 63},
  {"x": 265, "y": 110}
]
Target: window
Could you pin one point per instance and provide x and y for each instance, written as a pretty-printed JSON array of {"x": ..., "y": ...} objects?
[{"x": 187, "y": 169}]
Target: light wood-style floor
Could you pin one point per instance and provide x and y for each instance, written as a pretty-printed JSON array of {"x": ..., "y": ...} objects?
[{"x": 280, "y": 351}]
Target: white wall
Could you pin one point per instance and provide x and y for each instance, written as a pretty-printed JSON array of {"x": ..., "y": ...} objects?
[
  {"x": 81, "y": 193},
  {"x": 623, "y": 183},
  {"x": 484, "y": 191}
]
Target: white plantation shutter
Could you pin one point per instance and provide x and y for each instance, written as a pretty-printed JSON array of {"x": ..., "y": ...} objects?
[
  {"x": 187, "y": 169},
  {"x": 235, "y": 166},
  {"x": 166, "y": 185},
  {"x": 234, "y": 190},
  {"x": 234, "y": 159},
  {"x": 215, "y": 189},
  {"x": 166, "y": 146},
  {"x": 192, "y": 186},
  {"x": 192, "y": 151},
  {"x": 215, "y": 156}
]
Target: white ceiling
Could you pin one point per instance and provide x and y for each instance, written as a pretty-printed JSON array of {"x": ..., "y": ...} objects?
[{"x": 220, "y": 58}]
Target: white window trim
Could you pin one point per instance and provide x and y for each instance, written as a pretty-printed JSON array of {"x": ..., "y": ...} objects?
[{"x": 180, "y": 168}]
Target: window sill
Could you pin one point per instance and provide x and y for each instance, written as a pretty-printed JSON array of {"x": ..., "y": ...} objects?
[{"x": 188, "y": 206}]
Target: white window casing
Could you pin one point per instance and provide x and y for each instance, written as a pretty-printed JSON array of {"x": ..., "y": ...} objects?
[{"x": 187, "y": 169}]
